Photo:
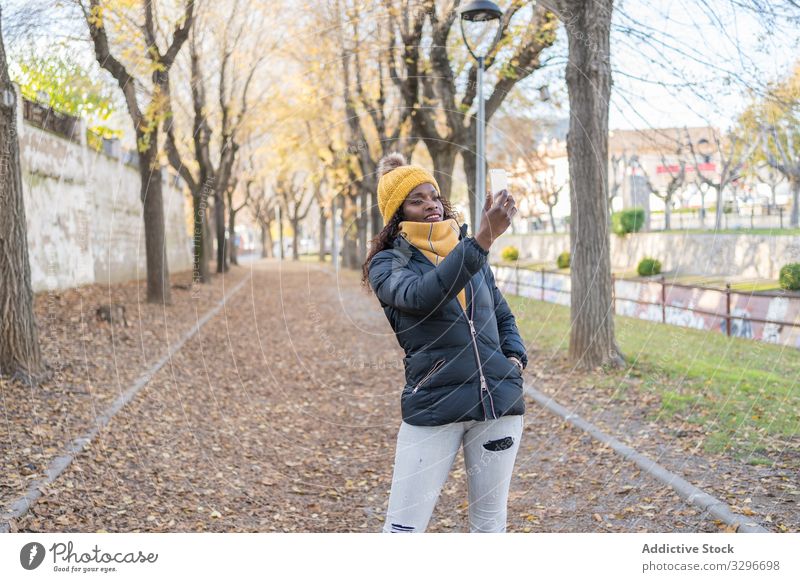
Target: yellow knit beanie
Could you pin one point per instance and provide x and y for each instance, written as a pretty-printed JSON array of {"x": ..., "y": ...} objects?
[{"x": 397, "y": 180}]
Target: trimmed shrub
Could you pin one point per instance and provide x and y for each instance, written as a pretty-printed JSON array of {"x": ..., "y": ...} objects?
[
  {"x": 648, "y": 266},
  {"x": 510, "y": 253},
  {"x": 627, "y": 221},
  {"x": 789, "y": 277},
  {"x": 563, "y": 260}
]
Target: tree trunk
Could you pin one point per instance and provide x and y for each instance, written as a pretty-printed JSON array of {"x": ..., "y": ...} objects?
[
  {"x": 719, "y": 210},
  {"x": 470, "y": 166},
  {"x": 232, "y": 246},
  {"x": 592, "y": 339},
  {"x": 350, "y": 252},
  {"x": 295, "y": 237},
  {"x": 794, "y": 220},
  {"x": 668, "y": 213},
  {"x": 266, "y": 239},
  {"x": 552, "y": 219},
  {"x": 219, "y": 222},
  {"x": 200, "y": 259},
  {"x": 208, "y": 236},
  {"x": 20, "y": 354},
  {"x": 444, "y": 160},
  {"x": 280, "y": 237},
  {"x": 702, "y": 209},
  {"x": 375, "y": 213},
  {"x": 335, "y": 246},
  {"x": 349, "y": 233},
  {"x": 158, "y": 284},
  {"x": 323, "y": 223},
  {"x": 361, "y": 222},
  {"x": 270, "y": 241}
]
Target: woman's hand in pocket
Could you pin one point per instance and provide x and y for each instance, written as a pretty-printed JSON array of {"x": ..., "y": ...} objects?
[{"x": 516, "y": 361}]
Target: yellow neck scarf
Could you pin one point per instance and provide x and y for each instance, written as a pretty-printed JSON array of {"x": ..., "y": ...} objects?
[{"x": 435, "y": 240}]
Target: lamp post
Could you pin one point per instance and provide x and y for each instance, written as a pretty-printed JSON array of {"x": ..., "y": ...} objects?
[
  {"x": 481, "y": 16},
  {"x": 704, "y": 149},
  {"x": 336, "y": 223}
]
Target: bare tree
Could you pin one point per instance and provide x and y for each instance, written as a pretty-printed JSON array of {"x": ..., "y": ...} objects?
[
  {"x": 295, "y": 203},
  {"x": 342, "y": 195},
  {"x": 619, "y": 165},
  {"x": 262, "y": 209},
  {"x": 677, "y": 178},
  {"x": 528, "y": 161},
  {"x": 548, "y": 191},
  {"x": 233, "y": 210},
  {"x": 20, "y": 354},
  {"x": 787, "y": 161},
  {"x": 234, "y": 75},
  {"x": 322, "y": 227},
  {"x": 328, "y": 180},
  {"x": 732, "y": 156},
  {"x": 146, "y": 123},
  {"x": 442, "y": 119},
  {"x": 382, "y": 119},
  {"x": 771, "y": 178},
  {"x": 321, "y": 197},
  {"x": 592, "y": 338},
  {"x": 351, "y": 201}
]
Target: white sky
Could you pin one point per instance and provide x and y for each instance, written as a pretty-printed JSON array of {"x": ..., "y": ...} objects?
[
  {"x": 720, "y": 46},
  {"x": 728, "y": 49},
  {"x": 695, "y": 66}
]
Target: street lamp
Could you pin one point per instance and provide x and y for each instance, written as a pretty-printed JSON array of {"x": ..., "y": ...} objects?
[
  {"x": 704, "y": 149},
  {"x": 481, "y": 17}
]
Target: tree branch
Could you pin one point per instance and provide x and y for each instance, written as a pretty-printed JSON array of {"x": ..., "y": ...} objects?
[{"x": 106, "y": 60}]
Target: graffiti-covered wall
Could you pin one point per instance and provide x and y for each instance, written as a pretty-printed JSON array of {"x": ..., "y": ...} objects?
[{"x": 695, "y": 307}]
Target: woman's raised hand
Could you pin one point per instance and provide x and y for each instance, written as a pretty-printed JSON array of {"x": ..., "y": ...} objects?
[{"x": 495, "y": 218}]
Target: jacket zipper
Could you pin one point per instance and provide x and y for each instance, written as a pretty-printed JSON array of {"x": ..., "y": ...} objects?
[
  {"x": 484, "y": 387},
  {"x": 436, "y": 366}
]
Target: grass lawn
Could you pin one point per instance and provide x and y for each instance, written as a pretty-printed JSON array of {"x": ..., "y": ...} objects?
[
  {"x": 718, "y": 282},
  {"x": 756, "y": 285},
  {"x": 744, "y": 394},
  {"x": 708, "y": 231}
]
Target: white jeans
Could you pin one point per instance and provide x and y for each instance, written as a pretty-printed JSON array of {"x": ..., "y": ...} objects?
[{"x": 422, "y": 462}]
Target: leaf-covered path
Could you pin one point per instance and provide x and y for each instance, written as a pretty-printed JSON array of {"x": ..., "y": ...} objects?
[{"x": 279, "y": 415}]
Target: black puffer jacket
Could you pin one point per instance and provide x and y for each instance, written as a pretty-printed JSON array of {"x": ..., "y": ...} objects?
[{"x": 456, "y": 363}]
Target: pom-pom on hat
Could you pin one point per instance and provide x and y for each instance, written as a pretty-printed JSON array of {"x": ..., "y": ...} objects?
[{"x": 397, "y": 180}]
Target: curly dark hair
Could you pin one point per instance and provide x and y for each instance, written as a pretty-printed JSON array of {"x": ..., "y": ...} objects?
[{"x": 385, "y": 238}]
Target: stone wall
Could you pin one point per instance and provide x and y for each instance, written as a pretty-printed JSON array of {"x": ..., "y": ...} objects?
[
  {"x": 84, "y": 214},
  {"x": 743, "y": 255}
]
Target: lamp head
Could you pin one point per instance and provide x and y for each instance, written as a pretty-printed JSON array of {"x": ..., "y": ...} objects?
[
  {"x": 482, "y": 17},
  {"x": 480, "y": 10}
]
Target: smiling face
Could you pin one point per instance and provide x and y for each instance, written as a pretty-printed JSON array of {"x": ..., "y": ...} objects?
[{"x": 423, "y": 204}]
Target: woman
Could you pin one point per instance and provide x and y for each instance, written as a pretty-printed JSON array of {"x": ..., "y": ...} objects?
[{"x": 464, "y": 355}]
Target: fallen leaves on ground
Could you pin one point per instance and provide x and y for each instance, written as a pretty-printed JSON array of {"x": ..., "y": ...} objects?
[{"x": 281, "y": 414}]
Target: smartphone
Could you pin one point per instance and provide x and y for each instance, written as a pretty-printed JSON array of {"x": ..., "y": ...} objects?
[{"x": 498, "y": 179}]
